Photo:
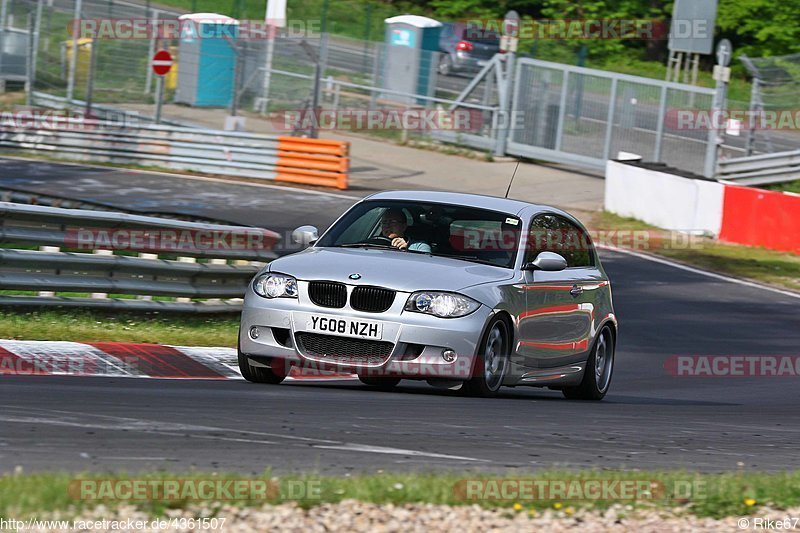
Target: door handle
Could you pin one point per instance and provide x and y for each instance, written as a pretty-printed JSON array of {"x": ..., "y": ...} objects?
[{"x": 576, "y": 290}]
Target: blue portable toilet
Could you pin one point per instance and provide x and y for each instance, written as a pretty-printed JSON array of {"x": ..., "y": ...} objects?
[
  {"x": 411, "y": 58},
  {"x": 206, "y": 59}
]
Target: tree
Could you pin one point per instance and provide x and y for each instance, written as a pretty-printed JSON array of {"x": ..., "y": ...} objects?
[{"x": 761, "y": 27}]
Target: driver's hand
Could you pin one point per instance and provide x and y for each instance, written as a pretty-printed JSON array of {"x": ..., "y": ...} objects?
[{"x": 400, "y": 243}]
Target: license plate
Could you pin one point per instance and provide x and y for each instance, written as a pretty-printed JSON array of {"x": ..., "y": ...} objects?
[
  {"x": 363, "y": 329},
  {"x": 482, "y": 62}
]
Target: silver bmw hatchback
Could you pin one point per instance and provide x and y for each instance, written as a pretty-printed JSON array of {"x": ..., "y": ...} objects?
[{"x": 464, "y": 291}]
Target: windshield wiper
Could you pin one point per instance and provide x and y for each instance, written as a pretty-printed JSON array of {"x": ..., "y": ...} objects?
[
  {"x": 366, "y": 245},
  {"x": 470, "y": 259}
]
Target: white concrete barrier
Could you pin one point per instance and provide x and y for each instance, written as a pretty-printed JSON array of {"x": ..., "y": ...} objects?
[{"x": 664, "y": 200}]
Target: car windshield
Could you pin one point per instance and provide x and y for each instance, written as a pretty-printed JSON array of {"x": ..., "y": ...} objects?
[{"x": 465, "y": 233}]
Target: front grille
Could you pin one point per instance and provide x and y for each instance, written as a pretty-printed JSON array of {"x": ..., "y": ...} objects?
[
  {"x": 343, "y": 349},
  {"x": 371, "y": 299},
  {"x": 327, "y": 293}
]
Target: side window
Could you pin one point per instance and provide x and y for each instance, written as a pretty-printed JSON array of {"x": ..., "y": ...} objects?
[{"x": 553, "y": 233}]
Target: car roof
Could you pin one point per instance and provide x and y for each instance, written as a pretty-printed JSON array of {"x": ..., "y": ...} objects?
[{"x": 494, "y": 203}]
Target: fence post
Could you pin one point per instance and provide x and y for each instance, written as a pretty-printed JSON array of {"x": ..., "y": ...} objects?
[
  {"x": 37, "y": 26},
  {"x": 506, "y": 105},
  {"x": 73, "y": 65},
  {"x": 262, "y": 103},
  {"x": 29, "y": 63},
  {"x": 714, "y": 137},
  {"x": 562, "y": 109},
  {"x": 90, "y": 78},
  {"x": 755, "y": 99},
  {"x": 3, "y": 14},
  {"x": 151, "y": 50},
  {"x": 612, "y": 104},
  {"x": 662, "y": 108}
]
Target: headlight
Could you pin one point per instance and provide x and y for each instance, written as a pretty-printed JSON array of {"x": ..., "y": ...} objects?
[
  {"x": 271, "y": 285},
  {"x": 441, "y": 304}
]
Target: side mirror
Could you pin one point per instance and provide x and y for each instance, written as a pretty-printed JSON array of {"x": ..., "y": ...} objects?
[
  {"x": 305, "y": 235},
  {"x": 547, "y": 261}
]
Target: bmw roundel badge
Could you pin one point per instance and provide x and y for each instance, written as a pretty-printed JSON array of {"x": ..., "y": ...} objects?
[{"x": 355, "y": 276}]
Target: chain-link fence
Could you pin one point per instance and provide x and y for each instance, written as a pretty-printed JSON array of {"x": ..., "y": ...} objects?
[
  {"x": 579, "y": 115},
  {"x": 775, "y": 90},
  {"x": 558, "y": 112}
]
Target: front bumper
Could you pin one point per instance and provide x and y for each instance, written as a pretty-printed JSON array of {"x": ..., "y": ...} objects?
[{"x": 417, "y": 339}]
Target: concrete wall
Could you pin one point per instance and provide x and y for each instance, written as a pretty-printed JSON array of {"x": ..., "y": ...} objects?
[{"x": 664, "y": 200}]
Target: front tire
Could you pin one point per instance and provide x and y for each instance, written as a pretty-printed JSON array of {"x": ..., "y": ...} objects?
[
  {"x": 257, "y": 374},
  {"x": 492, "y": 362},
  {"x": 599, "y": 368}
]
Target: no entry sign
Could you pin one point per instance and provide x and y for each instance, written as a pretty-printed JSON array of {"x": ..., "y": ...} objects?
[{"x": 162, "y": 62}]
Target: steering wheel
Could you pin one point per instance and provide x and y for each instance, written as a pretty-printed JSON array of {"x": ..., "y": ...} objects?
[{"x": 383, "y": 241}]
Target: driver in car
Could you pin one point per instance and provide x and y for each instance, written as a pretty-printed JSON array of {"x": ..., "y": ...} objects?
[{"x": 393, "y": 227}]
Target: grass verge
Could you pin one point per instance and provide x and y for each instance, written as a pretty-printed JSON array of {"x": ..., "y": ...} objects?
[
  {"x": 758, "y": 264},
  {"x": 790, "y": 186},
  {"x": 97, "y": 326},
  {"x": 712, "y": 495}
]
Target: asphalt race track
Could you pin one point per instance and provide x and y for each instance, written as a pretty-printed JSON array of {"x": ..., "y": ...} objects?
[
  {"x": 152, "y": 193},
  {"x": 650, "y": 419}
]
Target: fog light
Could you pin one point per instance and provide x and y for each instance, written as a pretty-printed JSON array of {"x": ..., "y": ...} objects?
[
  {"x": 254, "y": 333},
  {"x": 449, "y": 356}
]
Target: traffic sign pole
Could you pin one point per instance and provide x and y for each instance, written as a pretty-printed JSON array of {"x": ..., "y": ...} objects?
[
  {"x": 159, "y": 97},
  {"x": 161, "y": 65}
]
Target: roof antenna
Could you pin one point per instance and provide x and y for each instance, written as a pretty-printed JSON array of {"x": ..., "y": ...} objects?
[{"x": 512, "y": 179}]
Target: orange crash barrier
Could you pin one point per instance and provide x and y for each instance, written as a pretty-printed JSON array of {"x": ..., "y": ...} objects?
[{"x": 321, "y": 162}]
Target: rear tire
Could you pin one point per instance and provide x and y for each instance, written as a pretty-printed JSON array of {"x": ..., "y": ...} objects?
[
  {"x": 598, "y": 372},
  {"x": 257, "y": 374},
  {"x": 445, "y": 67},
  {"x": 492, "y": 362},
  {"x": 384, "y": 384}
]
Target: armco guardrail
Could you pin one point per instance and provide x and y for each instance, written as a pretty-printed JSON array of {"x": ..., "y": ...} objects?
[
  {"x": 761, "y": 169},
  {"x": 100, "y": 111},
  {"x": 126, "y": 255},
  {"x": 319, "y": 162}
]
